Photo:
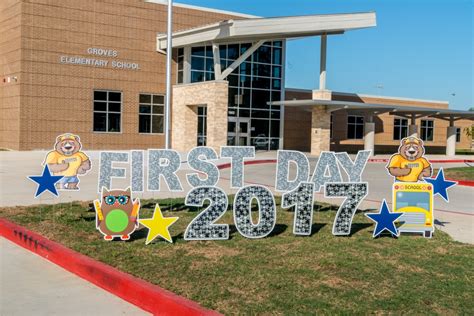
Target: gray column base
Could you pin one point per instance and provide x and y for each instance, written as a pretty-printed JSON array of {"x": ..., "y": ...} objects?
[
  {"x": 369, "y": 137},
  {"x": 451, "y": 141}
]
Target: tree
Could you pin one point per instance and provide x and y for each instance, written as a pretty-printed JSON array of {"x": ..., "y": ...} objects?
[{"x": 469, "y": 131}]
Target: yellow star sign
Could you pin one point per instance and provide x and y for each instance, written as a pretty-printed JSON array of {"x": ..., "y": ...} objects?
[{"x": 158, "y": 225}]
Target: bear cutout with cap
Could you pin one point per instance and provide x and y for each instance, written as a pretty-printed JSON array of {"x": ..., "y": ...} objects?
[
  {"x": 409, "y": 165},
  {"x": 68, "y": 160}
]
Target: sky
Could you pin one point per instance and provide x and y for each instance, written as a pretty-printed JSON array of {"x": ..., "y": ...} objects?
[{"x": 419, "y": 49}]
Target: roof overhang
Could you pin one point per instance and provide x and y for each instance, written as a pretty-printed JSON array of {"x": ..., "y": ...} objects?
[
  {"x": 256, "y": 29},
  {"x": 401, "y": 110}
]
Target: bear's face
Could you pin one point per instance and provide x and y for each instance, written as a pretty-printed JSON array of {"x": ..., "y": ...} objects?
[
  {"x": 68, "y": 147},
  {"x": 411, "y": 151}
]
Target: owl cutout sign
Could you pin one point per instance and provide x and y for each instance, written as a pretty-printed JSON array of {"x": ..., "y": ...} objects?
[{"x": 116, "y": 214}]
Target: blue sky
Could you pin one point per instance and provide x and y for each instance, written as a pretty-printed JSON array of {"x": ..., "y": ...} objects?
[{"x": 419, "y": 49}]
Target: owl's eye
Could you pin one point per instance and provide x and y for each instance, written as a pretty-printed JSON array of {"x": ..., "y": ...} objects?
[
  {"x": 123, "y": 199},
  {"x": 110, "y": 199}
]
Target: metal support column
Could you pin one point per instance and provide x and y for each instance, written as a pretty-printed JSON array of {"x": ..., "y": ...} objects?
[
  {"x": 322, "y": 64},
  {"x": 413, "y": 128}
]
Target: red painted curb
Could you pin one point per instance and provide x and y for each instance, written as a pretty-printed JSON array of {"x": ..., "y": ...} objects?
[
  {"x": 467, "y": 183},
  {"x": 145, "y": 295},
  {"x": 431, "y": 160},
  {"x": 250, "y": 162}
]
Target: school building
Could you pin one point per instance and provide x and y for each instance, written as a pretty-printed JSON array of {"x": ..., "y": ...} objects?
[{"x": 96, "y": 68}]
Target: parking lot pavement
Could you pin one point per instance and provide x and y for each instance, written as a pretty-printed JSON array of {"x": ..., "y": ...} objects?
[
  {"x": 31, "y": 285},
  {"x": 455, "y": 217}
]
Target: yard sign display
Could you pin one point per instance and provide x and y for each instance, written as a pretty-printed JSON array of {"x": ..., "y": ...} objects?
[
  {"x": 117, "y": 214},
  {"x": 163, "y": 166}
]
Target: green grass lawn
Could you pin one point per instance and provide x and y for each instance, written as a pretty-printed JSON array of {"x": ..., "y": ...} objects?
[
  {"x": 460, "y": 173},
  {"x": 283, "y": 273}
]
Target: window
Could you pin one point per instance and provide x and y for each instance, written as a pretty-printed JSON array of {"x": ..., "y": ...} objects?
[
  {"x": 202, "y": 64},
  {"x": 258, "y": 80},
  {"x": 151, "y": 114},
  {"x": 330, "y": 127},
  {"x": 180, "y": 65},
  {"x": 427, "y": 130},
  {"x": 107, "y": 111},
  {"x": 400, "y": 128},
  {"x": 202, "y": 126},
  {"x": 355, "y": 127},
  {"x": 458, "y": 135}
]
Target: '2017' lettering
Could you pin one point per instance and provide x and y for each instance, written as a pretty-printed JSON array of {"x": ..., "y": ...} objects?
[{"x": 204, "y": 227}]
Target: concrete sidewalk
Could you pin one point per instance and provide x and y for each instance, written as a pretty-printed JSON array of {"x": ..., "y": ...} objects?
[{"x": 31, "y": 285}]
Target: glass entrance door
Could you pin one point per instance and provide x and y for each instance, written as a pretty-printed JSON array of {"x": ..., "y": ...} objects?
[{"x": 238, "y": 131}]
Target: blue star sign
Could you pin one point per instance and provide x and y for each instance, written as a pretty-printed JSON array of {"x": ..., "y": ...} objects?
[
  {"x": 46, "y": 182},
  {"x": 384, "y": 220},
  {"x": 440, "y": 185}
]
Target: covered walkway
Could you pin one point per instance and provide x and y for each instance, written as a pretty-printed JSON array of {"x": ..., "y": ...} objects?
[{"x": 321, "y": 109}]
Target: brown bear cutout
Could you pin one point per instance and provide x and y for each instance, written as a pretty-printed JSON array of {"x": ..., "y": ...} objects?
[
  {"x": 411, "y": 150},
  {"x": 68, "y": 160}
]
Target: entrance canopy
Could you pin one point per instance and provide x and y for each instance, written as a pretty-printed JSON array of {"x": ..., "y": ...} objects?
[
  {"x": 257, "y": 29},
  {"x": 400, "y": 110}
]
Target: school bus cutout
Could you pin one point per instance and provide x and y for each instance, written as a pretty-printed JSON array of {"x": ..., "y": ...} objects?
[{"x": 415, "y": 200}]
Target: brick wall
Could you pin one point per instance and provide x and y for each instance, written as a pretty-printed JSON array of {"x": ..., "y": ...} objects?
[
  {"x": 297, "y": 128},
  {"x": 58, "y": 98},
  {"x": 10, "y": 67}
]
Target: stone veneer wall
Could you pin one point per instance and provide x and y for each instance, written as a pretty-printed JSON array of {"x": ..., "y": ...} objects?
[
  {"x": 320, "y": 130},
  {"x": 186, "y": 99}
]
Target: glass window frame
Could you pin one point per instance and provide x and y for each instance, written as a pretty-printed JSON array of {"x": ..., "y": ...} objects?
[
  {"x": 246, "y": 78},
  {"x": 458, "y": 134},
  {"x": 207, "y": 75},
  {"x": 107, "y": 112},
  {"x": 355, "y": 125},
  {"x": 180, "y": 66},
  {"x": 331, "y": 122},
  {"x": 203, "y": 116},
  {"x": 424, "y": 128},
  {"x": 151, "y": 114},
  {"x": 400, "y": 126}
]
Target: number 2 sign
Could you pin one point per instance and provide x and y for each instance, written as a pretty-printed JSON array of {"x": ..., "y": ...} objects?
[{"x": 204, "y": 227}]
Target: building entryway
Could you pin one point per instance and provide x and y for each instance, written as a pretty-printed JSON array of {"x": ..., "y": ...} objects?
[{"x": 238, "y": 131}]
